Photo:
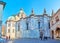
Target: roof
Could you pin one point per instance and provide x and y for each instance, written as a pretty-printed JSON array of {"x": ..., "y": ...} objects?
[
  {"x": 11, "y": 18},
  {"x": 56, "y": 12}
]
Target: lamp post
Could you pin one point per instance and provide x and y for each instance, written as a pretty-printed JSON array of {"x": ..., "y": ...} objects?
[{"x": 2, "y": 5}]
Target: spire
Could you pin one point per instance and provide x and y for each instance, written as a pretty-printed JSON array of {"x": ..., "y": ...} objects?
[
  {"x": 44, "y": 10},
  {"x": 32, "y": 11},
  {"x": 52, "y": 12}
]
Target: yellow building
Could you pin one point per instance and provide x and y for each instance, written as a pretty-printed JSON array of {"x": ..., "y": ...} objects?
[
  {"x": 11, "y": 32},
  {"x": 55, "y": 25},
  {"x": 10, "y": 27},
  {"x": 3, "y": 30}
]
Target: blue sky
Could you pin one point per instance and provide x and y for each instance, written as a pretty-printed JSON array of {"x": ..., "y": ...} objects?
[{"x": 13, "y": 7}]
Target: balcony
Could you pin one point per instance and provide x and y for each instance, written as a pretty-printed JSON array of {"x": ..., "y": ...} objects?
[{"x": 54, "y": 26}]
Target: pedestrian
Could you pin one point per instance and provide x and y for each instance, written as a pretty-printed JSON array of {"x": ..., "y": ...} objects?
[
  {"x": 41, "y": 35},
  {"x": 6, "y": 37},
  {"x": 9, "y": 37}
]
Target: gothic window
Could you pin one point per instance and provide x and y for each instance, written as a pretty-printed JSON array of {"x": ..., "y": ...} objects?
[
  {"x": 49, "y": 25},
  {"x": 39, "y": 25},
  {"x": 57, "y": 19},
  {"x": 27, "y": 25}
]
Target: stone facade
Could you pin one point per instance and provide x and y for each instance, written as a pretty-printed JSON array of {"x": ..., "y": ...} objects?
[{"x": 33, "y": 25}]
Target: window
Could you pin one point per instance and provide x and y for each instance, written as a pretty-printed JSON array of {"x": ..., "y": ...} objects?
[
  {"x": 39, "y": 25},
  {"x": 57, "y": 19},
  {"x": 27, "y": 25},
  {"x": 49, "y": 25},
  {"x": 13, "y": 30},
  {"x": 18, "y": 27},
  {"x": 9, "y": 25},
  {"x": 8, "y": 30}
]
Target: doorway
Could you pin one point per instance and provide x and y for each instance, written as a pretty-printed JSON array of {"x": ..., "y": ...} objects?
[
  {"x": 57, "y": 32},
  {"x": 52, "y": 34}
]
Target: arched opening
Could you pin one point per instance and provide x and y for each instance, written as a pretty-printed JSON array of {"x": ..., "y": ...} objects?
[
  {"x": 52, "y": 34},
  {"x": 58, "y": 32}
]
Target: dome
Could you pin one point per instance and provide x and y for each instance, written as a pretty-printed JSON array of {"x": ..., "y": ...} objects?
[
  {"x": 11, "y": 18},
  {"x": 22, "y": 13}
]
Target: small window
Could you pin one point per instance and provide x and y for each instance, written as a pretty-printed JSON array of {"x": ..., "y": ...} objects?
[
  {"x": 9, "y": 25},
  {"x": 8, "y": 30},
  {"x": 13, "y": 30}
]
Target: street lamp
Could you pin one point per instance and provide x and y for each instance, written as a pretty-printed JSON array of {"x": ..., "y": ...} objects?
[{"x": 2, "y": 5}]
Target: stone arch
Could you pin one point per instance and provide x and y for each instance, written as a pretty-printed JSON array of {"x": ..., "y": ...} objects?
[{"x": 57, "y": 32}]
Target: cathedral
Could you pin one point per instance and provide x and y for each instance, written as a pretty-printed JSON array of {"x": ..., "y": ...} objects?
[{"x": 32, "y": 26}]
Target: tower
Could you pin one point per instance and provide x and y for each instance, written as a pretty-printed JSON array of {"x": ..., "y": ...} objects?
[
  {"x": 2, "y": 5},
  {"x": 32, "y": 12},
  {"x": 44, "y": 11},
  {"x": 52, "y": 12}
]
